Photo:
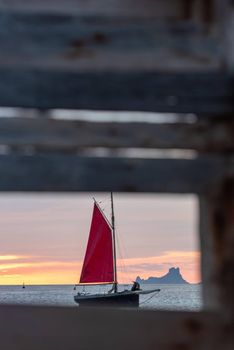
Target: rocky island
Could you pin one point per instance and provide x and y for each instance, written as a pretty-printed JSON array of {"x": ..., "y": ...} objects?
[{"x": 172, "y": 277}]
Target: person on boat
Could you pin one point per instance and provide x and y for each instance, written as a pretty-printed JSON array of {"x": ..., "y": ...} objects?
[{"x": 136, "y": 286}]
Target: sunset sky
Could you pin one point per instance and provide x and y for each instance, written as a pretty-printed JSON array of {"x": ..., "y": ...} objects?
[{"x": 44, "y": 236}]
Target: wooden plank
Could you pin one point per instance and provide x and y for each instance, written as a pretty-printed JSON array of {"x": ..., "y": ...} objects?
[
  {"x": 224, "y": 18},
  {"x": 210, "y": 292},
  {"x": 217, "y": 243},
  {"x": 71, "y": 136},
  {"x": 157, "y": 9},
  {"x": 227, "y": 24},
  {"x": 84, "y": 41},
  {"x": 73, "y": 173},
  {"x": 59, "y": 59},
  {"x": 66, "y": 328},
  {"x": 204, "y": 93}
]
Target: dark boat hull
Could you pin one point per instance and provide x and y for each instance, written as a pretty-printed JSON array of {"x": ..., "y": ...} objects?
[{"x": 122, "y": 299}]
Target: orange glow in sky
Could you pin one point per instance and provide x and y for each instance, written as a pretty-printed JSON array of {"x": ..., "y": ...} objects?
[
  {"x": 57, "y": 272},
  {"x": 43, "y": 237}
]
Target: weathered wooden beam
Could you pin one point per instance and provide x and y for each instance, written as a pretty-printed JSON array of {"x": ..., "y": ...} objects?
[
  {"x": 210, "y": 289},
  {"x": 49, "y": 328},
  {"x": 217, "y": 246},
  {"x": 95, "y": 42},
  {"x": 70, "y": 136},
  {"x": 172, "y": 9},
  {"x": 73, "y": 173},
  {"x": 60, "y": 58},
  {"x": 204, "y": 93},
  {"x": 225, "y": 21}
]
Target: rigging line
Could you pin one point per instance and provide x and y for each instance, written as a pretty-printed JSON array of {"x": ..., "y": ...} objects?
[
  {"x": 121, "y": 263},
  {"x": 105, "y": 205},
  {"x": 122, "y": 254},
  {"x": 147, "y": 300},
  {"x": 103, "y": 202},
  {"x": 103, "y": 214},
  {"x": 114, "y": 243}
]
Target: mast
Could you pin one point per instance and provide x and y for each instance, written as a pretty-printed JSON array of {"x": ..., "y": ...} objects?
[{"x": 114, "y": 247}]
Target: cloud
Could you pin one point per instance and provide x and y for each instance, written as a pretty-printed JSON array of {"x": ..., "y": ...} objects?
[
  {"x": 8, "y": 257},
  {"x": 39, "y": 270},
  {"x": 166, "y": 257},
  {"x": 14, "y": 257},
  {"x": 39, "y": 265},
  {"x": 158, "y": 265}
]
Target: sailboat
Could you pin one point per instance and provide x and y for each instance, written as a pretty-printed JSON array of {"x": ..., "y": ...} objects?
[{"x": 100, "y": 268}]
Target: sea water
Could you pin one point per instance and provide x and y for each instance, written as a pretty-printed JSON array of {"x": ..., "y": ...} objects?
[{"x": 170, "y": 297}]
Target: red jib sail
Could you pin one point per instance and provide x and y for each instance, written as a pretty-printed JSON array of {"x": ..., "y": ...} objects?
[{"x": 98, "y": 263}]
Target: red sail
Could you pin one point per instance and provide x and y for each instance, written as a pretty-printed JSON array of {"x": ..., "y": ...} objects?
[{"x": 98, "y": 262}]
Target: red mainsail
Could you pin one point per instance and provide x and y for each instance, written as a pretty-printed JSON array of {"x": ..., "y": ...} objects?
[{"x": 98, "y": 264}]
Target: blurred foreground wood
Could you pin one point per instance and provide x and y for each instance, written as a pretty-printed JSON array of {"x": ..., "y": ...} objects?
[
  {"x": 47, "y": 328},
  {"x": 168, "y": 56}
]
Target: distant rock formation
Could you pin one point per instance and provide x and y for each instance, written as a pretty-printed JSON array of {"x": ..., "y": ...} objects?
[{"x": 172, "y": 277}]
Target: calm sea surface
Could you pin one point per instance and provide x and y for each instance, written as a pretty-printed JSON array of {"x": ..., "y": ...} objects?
[{"x": 171, "y": 297}]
